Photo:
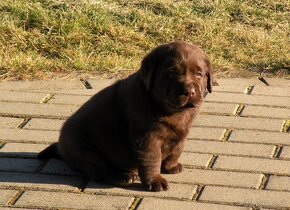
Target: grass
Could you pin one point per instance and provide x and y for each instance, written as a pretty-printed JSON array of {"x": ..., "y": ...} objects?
[{"x": 43, "y": 39}]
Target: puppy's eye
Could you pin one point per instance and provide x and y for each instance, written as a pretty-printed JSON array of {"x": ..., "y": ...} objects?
[
  {"x": 172, "y": 74},
  {"x": 198, "y": 74}
]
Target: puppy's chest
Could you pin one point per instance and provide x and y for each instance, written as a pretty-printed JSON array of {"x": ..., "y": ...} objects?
[{"x": 174, "y": 127}]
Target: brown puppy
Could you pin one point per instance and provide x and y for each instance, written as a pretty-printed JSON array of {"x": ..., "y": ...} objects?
[{"x": 138, "y": 125}]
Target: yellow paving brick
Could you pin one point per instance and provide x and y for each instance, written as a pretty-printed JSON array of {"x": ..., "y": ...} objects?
[
  {"x": 21, "y": 149},
  {"x": 72, "y": 200},
  {"x": 286, "y": 151},
  {"x": 229, "y": 148},
  {"x": 153, "y": 203},
  {"x": 253, "y": 164},
  {"x": 246, "y": 197},
  {"x": 279, "y": 183},
  {"x": 181, "y": 191},
  {"x": 213, "y": 177},
  {"x": 259, "y": 137}
]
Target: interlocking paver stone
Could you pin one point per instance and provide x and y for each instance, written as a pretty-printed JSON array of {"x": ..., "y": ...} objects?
[
  {"x": 22, "y": 135},
  {"x": 72, "y": 200},
  {"x": 248, "y": 99},
  {"x": 274, "y": 82},
  {"x": 230, "y": 88},
  {"x": 259, "y": 111},
  {"x": 193, "y": 159},
  {"x": 47, "y": 110},
  {"x": 181, "y": 191},
  {"x": 85, "y": 92},
  {"x": 269, "y": 90},
  {"x": 214, "y": 177},
  {"x": 206, "y": 133},
  {"x": 229, "y": 148},
  {"x": 21, "y": 149},
  {"x": 150, "y": 203},
  {"x": 69, "y": 99},
  {"x": 279, "y": 183},
  {"x": 215, "y": 108},
  {"x": 36, "y": 181},
  {"x": 21, "y": 96},
  {"x": 40, "y": 85},
  {"x": 259, "y": 137},
  {"x": 246, "y": 196},
  {"x": 10, "y": 122},
  {"x": 18, "y": 164},
  {"x": 239, "y": 122},
  {"x": 6, "y": 195},
  {"x": 100, "y": 84},
  {"x": 286, "y": 152},
  {"x": 253, "y": 165},
  {"x": 44, "y": 124}
]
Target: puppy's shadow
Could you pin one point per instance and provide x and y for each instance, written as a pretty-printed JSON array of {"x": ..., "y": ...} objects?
[{"x": 24, "y": 169}]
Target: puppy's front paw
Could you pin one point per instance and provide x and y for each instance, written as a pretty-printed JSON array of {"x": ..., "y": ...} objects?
[
  {"x": 173, "y": 170},
  {"x": 157, "y": 184}
]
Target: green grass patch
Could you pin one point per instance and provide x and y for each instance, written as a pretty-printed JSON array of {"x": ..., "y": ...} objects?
[{"x": 43, "y": 39}]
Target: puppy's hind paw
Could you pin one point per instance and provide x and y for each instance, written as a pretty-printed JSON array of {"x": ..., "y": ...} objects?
[{"x": 121, "y": 178}]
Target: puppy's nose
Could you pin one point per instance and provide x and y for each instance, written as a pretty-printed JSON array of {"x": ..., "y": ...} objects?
[{"x": 190, "y": 91}]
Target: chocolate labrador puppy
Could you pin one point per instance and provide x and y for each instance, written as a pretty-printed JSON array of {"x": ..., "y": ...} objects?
[{"x": 139, "y": 124}]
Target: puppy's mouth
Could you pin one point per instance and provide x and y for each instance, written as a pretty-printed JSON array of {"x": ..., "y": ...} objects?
[{"x": 184, "y": 103}]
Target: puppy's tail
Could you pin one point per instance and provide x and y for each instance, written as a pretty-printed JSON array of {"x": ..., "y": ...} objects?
[{"x": 49, "y": 152}]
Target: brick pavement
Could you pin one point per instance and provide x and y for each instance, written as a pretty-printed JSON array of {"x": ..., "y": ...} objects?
[{"x": 237, "y": 155}]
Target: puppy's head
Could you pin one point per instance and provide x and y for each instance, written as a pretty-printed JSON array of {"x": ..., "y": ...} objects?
[{"x": 177, "y": 75}]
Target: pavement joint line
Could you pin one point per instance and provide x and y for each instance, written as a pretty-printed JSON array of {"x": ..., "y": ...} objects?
[
  {"x": 15, "y": 198},
  {"x": 264, "y": 181},
  {"x": 226, "y": 135},
  {"x": 263, "y": 80},
  {"x": 286, "y": 126},
  {"x": 136, "y": 203},
  {"x": 233, "y": 115},
  {"x": 212, "y": 162},
  {"x": 238, "y": 204},
  {"x": 238, "y": 110},
  {"x": 249, "y": 90},
  {"x": 238, "y": 142},
  {"x": 261, "y": 105},
  {"x": 32, "y": 116},
  {"x": 26, "y": 141},
  {"x": 86, "y": 84},
  {"x": 24, "y": 122},
  {"x": 234, "y": 170},
  {"x": 234, "y": 128},
  {"x": 198, "y": 192},
  {"x": 46, "y": 98},
  {"x": 277, "y": 151},
  {"x": 234, "y": 155}
]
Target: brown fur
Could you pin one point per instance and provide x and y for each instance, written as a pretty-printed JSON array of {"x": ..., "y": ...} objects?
[{"x": 138, "y": 125}]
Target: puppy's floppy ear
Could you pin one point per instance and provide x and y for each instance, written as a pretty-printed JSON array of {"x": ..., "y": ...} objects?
[
  {"x": 209, "y": 75},
  {"x": 150, "y": 63},
  {"x": 147, "y": 69}
]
